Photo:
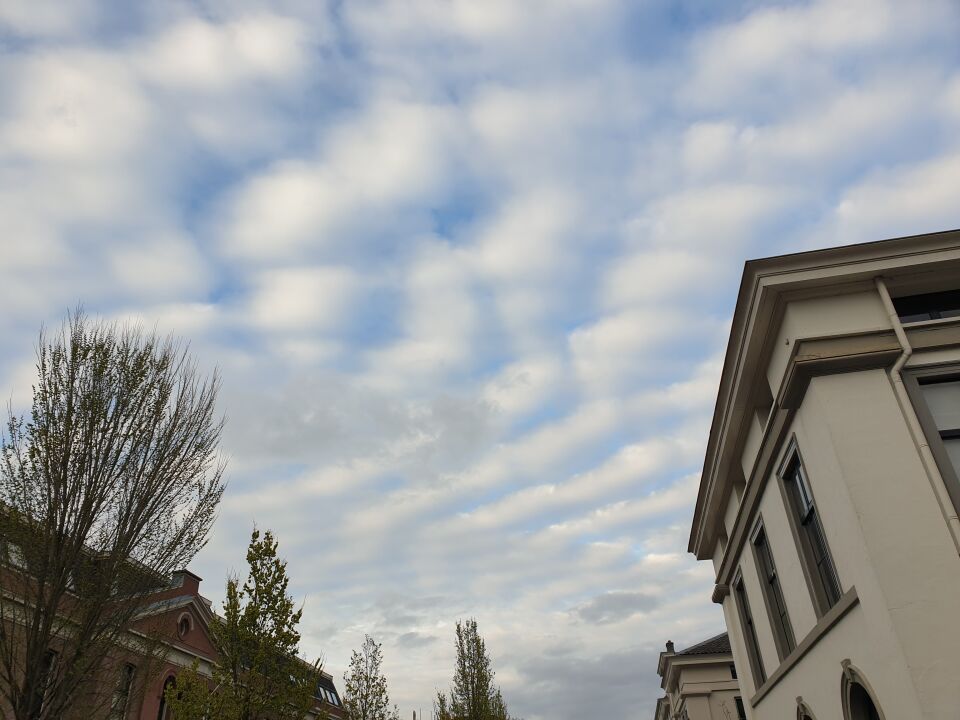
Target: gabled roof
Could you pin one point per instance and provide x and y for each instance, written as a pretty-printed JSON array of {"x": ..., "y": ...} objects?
[
  {"x": 717, "y": 645},
  {"x": 168, "y": 604}
]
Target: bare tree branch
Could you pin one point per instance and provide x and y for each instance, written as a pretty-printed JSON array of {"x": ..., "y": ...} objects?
[{"x": 109, "y": 486}]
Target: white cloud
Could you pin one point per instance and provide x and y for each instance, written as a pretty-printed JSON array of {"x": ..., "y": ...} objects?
[
  {"x": 439, "y": 318},
  {"x": 655, "y": 276},
  {"x": 528, "y": 237},
  {"x": 709, "y": 147},
  {"x": 198, "y": 55},
  {"x": 304, "y": 298},
  {"x": 714, "y": 218},
  {"x": 786, "y": 53},
  {"x": 621, "y": 349},
  {"x": 523, "y": 386},
  {"x": 950, "y": 99},
  {"x": 368, "y": 170},
  {"x": 627, "y": 471},
  {"x": 383, "y": 22},
  {"x": 168, "y": 266},
  {"x": 73, "y": 106},
  {"x": 48, "y": 18},
  {"x": 906, "y": 200}
]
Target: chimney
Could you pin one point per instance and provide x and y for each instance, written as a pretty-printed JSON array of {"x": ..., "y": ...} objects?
[
  {"x": 188, "y": 581},
  {"x": 670, "y": 646}
]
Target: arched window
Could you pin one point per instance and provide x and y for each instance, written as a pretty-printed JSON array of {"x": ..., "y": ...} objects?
[
  {"x": 859, "y": 700},
  {"x": 163, "y": 713},
  {"x": 184, "y": 625},
  {"x": 861, "y": 704},
  {"x": 803, "y": 710}
]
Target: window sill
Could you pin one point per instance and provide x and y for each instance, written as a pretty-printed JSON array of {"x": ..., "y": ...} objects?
[{"x": 832, "y": 617}]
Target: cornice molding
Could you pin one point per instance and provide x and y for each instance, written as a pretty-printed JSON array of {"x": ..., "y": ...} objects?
[{"x": 765, "y": 287}]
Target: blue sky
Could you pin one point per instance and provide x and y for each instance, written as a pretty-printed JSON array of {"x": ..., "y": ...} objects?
[{"x": 467, "y": 270}]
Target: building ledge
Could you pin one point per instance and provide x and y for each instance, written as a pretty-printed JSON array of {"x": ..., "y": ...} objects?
[{"x": 831, "y": 618}]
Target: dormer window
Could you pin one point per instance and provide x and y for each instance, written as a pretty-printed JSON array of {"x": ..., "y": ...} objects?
[{"x": 929, "y": 306}]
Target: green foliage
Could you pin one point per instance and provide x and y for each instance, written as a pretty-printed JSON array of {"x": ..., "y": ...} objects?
[
  {"x": 366, "y": 687},
  {"x": 473, "y": 695},
  {"x": 259, "y": 674}
]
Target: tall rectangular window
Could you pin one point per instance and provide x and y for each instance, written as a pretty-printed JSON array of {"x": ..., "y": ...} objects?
[
  {"x": 749, "y": 633},
  {"x": 741, "y": 713},
  {"x": 121, "y": 693},
  {"x": 942, "y": 397},
  {"x": 814, "y": 552},
  {"x": 47, "y": 669},
  {"x": 935, "y": 394},
  {"x": 773, "y": 594}
]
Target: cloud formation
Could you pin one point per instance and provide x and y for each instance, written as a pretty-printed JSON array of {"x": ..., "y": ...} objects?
[{"x": 467, "y": 271}]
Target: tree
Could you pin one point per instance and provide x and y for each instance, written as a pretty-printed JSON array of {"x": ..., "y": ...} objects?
[
  {"x": 258, "y": 673},
  {"x": 366, "y": 687},
  {"x": 110, "y": 485},
  {"x": 473, "y": 695}
]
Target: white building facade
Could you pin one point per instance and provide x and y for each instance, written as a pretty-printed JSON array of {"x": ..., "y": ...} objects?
[
  {"x": 830, "y": 493},
  {"x": 699, "y": 683}
]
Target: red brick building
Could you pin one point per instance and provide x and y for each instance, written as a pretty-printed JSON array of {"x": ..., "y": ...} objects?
[{"x": 132, "y": 687}]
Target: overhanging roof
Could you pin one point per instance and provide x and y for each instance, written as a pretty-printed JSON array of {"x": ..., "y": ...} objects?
[{"x": 765, "y": 282}]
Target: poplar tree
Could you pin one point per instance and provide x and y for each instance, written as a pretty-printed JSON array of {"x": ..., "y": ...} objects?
[
  {"x": 258, "y": 673},
  {"x": 366, "y": 687},
  {"x": 473, "y": 695}
]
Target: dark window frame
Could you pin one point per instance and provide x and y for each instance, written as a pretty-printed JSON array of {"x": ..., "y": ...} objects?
[
  {"x": 741, "y": 711},
  {"x": 912, "y": 382},
  {"x": 772, "y": 591},
  {"x": 49, "y": 666},
  {"x": 163, "y": 711},
  {"x": 806, "y": 525},
  {"x": 748, "y": 627},
  {"x": 923, "y": 307},
  {"x": 121, "y": 693}
]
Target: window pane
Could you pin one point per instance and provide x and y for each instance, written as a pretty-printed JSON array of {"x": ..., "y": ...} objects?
[
  {"x": 953, "y": 450},
  {"x": 828, "y": 578},
  {"x": 753, "y": 645},
  {"x": 802, "y": 497},
  {"x": 928, "y": 305},
  {"x": 943, "y": 399},
  {"x": 741, "y": 712},
  {"x": 774, "y": 595},
  {"x": 813, "y": 544}
]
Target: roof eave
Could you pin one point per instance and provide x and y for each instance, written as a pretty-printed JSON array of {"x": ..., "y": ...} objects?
[{"x": 753, "y": 294}]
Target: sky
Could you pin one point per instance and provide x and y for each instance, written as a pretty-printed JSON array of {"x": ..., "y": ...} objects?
[{"x": 466, "y": 270}]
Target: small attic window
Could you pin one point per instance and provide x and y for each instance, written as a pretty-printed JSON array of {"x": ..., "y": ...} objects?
[
  {"x": 184, "y": 625},
  {"x": 929, "y": 306}
]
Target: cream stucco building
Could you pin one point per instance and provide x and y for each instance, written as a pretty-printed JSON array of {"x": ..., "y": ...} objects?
[
  {"x": 700, "y": 683},
  {"x": 830, "y": 493}
]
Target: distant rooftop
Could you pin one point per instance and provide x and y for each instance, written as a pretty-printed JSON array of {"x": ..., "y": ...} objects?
[{"x": 717, "y": 645}]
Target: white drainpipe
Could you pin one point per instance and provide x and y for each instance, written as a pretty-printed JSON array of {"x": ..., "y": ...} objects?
[{"x": 913, "y": 423}]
